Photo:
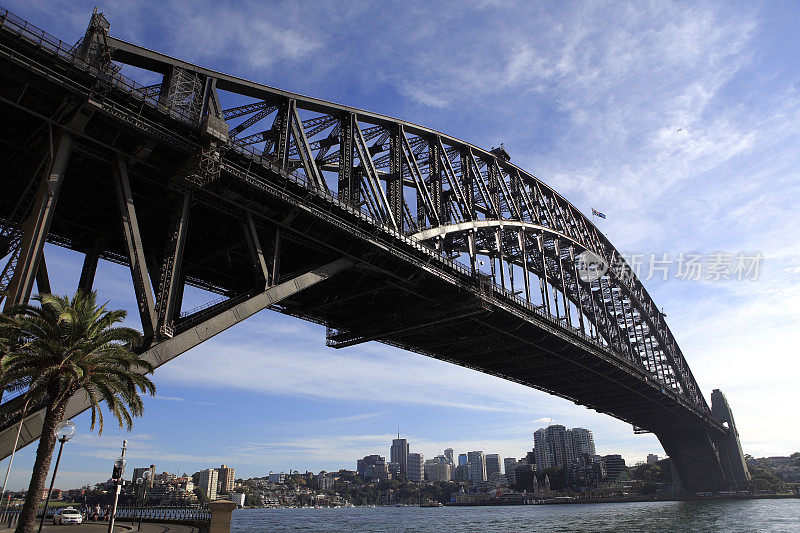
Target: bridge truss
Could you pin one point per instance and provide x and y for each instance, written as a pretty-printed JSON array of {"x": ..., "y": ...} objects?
[{"x": 377, "y": 228}]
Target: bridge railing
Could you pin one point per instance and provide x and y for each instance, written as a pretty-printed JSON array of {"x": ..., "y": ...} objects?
[{"x": 193, "y": 515}]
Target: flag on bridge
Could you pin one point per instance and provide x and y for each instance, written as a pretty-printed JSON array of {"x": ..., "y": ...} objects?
[{"x": 597, "y": 213}]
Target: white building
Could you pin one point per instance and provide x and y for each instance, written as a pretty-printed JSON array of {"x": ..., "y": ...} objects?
[
  {"x": 208, "y": 483},
  {"x": 415, "y": 468},
  {"x": 237, "y": 498}
]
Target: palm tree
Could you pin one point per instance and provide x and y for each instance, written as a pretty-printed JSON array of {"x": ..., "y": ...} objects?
[{"x": 65, "y": 347}]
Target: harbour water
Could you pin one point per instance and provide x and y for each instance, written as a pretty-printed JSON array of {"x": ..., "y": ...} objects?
[{"x": 737, "y": 516}]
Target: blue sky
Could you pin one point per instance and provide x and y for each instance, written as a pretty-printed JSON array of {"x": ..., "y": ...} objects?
[{"x": 680, "y": 121}]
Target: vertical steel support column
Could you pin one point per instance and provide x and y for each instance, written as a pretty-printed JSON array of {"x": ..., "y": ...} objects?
[
  {"x": 394, "y": 181},
  {"x": 564, "y": 298},
  {"x": 577, "y": 288},
  {"x": 89, "y": 268},
  {"x": 472, "y": 251},
  {"x": 435, "y": 180},
  {"x": 282, "y": 123},
  {"x": 469, "y": 190},
  {"x": 543, "y": 279},
  {"x": 167, "y": 302},
  {"x": 256, "y": 252},
  {"x": 133, "y": 239},
  {"x": 37, "y": 226},
  {"x": 42, "y": 279},
  {"x": 523, "y": 248},
  {"x": 349, "y": 190},
  {"x": 498, "y": 243},
  {"x": 276, "y": 257}
]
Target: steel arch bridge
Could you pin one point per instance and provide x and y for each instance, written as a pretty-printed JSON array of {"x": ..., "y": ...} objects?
[{"x": 377, "y": 228}]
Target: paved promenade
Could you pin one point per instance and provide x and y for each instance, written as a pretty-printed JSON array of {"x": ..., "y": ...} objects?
[{"x": 123, "y": 528}]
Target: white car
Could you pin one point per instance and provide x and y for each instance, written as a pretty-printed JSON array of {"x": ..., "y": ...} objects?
[{"x": 67, "y": 515}]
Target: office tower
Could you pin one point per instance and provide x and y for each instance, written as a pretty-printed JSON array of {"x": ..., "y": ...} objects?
[
  {"x": 462, "y": 459},
  {"x": 226, "y": 477},
  {"x": 399, "y": 454},
  {"x": 492, "y": 465},
  {"x": 208, "y": 483},
  {"x": 477, "y": 466},
  {"x": 652, "y": 458},
  {"x": 449, "y": 454},
  {"x": 415, "y": 467}
]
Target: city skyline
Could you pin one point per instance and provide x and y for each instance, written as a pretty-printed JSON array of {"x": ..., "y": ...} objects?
[{"x": 291, "y": 401}]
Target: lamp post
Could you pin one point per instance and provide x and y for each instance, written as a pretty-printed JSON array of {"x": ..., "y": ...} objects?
[
  {"x": 147, "y": 474},
  {"x": 64, "y": 431},
  {"x": 138, "y": 497},
  {"x": 118, "y": 472}
]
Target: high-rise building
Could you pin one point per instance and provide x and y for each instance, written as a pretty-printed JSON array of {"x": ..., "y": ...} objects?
[
  {"x": 476, "y": 462},
  {"x": 399, "y": 454},
  {"x": 582, "y": 442},
  {"x": 415, "y": 472},
  {"x": 226, "y": 477},
  {"x": 540, "y": 449},
  {"x": 652, "y": 458},
  {"x": 462, "y": 459},
  {"x": 449, "y": 454},
  {"x": 208, "y": 483},
  {"x": 510, "y": 465},
  {"x": 559, "y": 447},
  {"x": 492, "y": 465}
]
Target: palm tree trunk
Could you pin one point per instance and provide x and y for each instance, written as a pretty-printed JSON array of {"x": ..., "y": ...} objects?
[{"x": 44, "y": 454}]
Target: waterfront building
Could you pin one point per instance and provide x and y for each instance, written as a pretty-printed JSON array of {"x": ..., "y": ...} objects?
[
  {"x": 559, "y": 447},
  {"x": 238, "y": 498},
  {"x": 614, "y": 466},
  {"x": 207, "y": 483},
  {"x": 476, "y": 463},
  {"x": 449, "y": 454},
  {"x": 652, "y": 458},
  {"x": 366, "y": 467},
  {"x": 492, "y": 465},
  {"x": 582, "y": 442},
  {"x": 399, "y": 454},
  {"x": 226, "y": 478},
  {"x": 415, "y": 467}
]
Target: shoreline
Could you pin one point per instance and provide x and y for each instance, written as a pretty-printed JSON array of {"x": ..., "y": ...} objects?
[{"x": 574, "y": 501}]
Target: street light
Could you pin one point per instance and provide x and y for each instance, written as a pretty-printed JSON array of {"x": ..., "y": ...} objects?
[
  {"x": 64, "y": 431},
  {"x": 116, "y": 475},
  {"x": 138, "y": 498},
  {"x": 146, "y": 475}
]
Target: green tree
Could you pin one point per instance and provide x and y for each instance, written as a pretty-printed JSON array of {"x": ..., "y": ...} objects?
[{"x": 64, "y": 347}]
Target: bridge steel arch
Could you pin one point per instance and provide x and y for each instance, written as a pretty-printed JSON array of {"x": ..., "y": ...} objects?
[{"x": 377, "y": 228}]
